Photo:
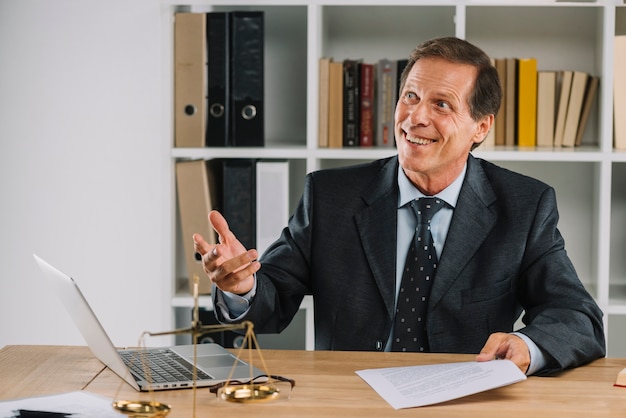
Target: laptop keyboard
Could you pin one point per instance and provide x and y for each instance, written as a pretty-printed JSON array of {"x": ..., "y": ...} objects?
[{"x": 163, "y": 364}]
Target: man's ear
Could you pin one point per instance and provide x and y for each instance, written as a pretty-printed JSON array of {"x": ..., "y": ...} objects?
[{"x": 482, "y": 130}]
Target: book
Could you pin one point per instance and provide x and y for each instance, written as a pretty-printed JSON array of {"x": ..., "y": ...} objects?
[
  {"x": 590, "y": 96},
  {"x": 197, "y": 195},
  {"x": 351, "y": 86},
  {"x": 367, "y": 108},
  {"x": 511, "y": 102},
  {"x": 323, "y": 99},
  {"x": 619, "y": 92},
  {"x": 621, "y": 378},
  {"x": 272, "y": 201},
  {"x": 386, "y": 74},
  {"x": 564, "y": 88},
  {"x": 500, "y": 64},
  {"x": 527, "y": 102},
  {"x": 546, "y": 107},
  {"x": 335, "y": 105},
  {"x": 189, "y": 79},
  {"x": 574, "y": 108}
]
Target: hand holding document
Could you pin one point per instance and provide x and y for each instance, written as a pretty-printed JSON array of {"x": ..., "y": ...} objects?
[{"x": 412, "y": 386}]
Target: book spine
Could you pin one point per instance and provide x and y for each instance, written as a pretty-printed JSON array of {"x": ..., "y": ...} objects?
[
  {"x": 324, "y": 98},
  {"x": 196, "y": 198},
  {"x": 366, "y": 133},
  {"x": 272, "y": 201},
  {"x": 386, "y": 74},
  {"x": 239, "y": 199},
  {"x": 335, "y": 105},
  {"x": 189, "y": 79},
  {"x": 350, "y": 103},
  {"x": 246, "y": 78},
  {"x": 217, "y": 133},
  {"x": 527, "y": 102}
]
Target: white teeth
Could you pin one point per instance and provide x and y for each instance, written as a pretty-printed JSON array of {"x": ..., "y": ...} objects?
[{"x": 419, "y": 141}]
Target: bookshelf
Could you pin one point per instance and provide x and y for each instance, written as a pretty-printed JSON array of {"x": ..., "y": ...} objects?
[{"x": 561, "y": 35}]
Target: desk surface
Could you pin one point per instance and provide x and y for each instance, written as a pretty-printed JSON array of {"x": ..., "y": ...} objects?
[{"x": 326, "y": 386}]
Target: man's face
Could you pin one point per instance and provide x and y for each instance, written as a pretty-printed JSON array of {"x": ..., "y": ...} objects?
[{"x": 433, "y": 127}]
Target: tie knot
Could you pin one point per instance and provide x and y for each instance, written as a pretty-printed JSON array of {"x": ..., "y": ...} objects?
[{"x": 426, "y": 207}]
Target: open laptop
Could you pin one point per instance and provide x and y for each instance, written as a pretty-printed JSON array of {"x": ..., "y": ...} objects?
[{"x": 170, "y": 367}]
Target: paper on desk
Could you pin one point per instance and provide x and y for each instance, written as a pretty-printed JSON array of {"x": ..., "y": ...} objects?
[
  {"x": 77, "y": 404},
  {"x": 407, "y": 387}
]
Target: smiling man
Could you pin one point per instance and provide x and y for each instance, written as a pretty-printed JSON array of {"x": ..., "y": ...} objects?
[{"x": 487, "y": 242}]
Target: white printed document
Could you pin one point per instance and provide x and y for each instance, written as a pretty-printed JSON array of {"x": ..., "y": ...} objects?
[
  {"x": 78, "y": 404},
  {"x": 412, "y": 386}
]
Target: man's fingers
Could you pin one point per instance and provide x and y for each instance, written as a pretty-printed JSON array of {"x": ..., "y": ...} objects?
[
  {"x": 200, "y": 245},
  {"x": 221, "y": 226},
  {"x": 506, "y": 346},
  {"x": 492, "y": 348},
  {"x": 236, "y": 275}
]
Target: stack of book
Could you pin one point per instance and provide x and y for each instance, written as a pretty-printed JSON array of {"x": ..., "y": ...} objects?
[
  {"x": 357, "y": 102},
  {"x": 542, "y": 108},
  {"x": 539, "y": 108}
]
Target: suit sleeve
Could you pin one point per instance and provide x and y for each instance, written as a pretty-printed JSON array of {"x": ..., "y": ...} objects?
[
  {"x": 561, "y": 316},
  {"x": 284, "y": 277}
]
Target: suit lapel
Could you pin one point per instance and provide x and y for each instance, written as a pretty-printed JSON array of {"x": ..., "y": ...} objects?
[
  {"x": 472, "y": 221},
  {"x": 376, "y": 224}
]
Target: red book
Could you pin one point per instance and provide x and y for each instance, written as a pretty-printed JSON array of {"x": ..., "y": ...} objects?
[{"x": 366, "y": 134}]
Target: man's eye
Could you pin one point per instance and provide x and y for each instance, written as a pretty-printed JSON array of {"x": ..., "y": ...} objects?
[
  {"x": 411, "y": 96},
  {"x": 443, "y": 105}
]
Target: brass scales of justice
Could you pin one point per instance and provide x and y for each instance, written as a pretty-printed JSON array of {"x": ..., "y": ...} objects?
[{"x": 230, "y": 391}]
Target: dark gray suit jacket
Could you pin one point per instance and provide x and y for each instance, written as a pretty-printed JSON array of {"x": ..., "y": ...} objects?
[{"x": 503, "y": 254}]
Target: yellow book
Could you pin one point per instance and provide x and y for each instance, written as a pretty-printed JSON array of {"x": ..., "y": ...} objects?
[{"x": 527, "y": 102}]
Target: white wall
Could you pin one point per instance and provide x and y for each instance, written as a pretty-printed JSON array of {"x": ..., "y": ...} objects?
[{"x": 82, "y": 154}]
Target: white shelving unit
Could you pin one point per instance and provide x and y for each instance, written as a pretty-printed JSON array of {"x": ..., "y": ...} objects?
[{"x": 590, "y": 180}]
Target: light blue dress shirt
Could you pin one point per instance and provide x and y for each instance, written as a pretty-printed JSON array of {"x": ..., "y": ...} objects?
[
  {"x": 234, "y": 306},
  {"x": 439, "y": 226}
]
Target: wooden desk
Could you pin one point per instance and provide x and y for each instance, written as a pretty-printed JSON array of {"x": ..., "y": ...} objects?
[{"x": 326, "y": 386}]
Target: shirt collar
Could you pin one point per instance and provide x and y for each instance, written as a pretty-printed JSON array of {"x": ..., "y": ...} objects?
[{"x": 409, "y": 192}]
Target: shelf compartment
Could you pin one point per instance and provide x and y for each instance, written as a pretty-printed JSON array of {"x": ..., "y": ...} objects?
[
  {"x": 285, "y": 69},
  {"x": 374, "y": 32}
]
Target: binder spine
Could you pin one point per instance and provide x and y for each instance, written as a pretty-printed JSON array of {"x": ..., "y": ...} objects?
[
  {"x": 246, "y": 83},
  {"x": 217, "y": 132},
  {"x": 239, "y": 201},
  {"x": 190, "y": 80}
]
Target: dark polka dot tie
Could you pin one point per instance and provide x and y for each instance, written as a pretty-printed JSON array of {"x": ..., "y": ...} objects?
[{"x": 409, "y": 332}]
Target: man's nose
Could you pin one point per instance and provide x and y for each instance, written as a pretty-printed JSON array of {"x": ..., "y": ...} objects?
[{"x": 419, "y": 114}]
